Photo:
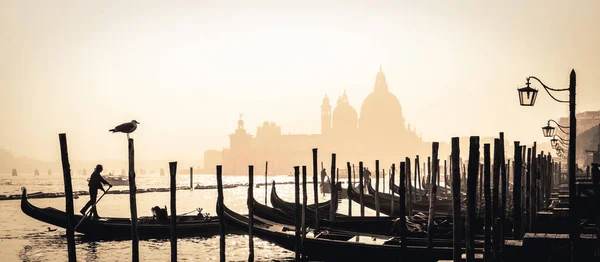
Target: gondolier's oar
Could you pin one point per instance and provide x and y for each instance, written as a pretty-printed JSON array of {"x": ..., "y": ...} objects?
[{"x": 90, "y": 209}]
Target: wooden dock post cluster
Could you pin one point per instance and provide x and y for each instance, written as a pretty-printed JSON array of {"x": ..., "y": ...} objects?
[{"x": 512, "y": 213}]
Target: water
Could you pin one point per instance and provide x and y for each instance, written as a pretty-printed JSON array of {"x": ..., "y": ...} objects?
[{"x": 23, "y": 238}]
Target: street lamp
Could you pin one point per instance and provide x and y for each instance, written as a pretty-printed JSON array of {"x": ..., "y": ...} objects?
[
  {"x": 549, "y": 131},
  {"x": 556, "y": 139},
  {"x": 527, "y": 96}
]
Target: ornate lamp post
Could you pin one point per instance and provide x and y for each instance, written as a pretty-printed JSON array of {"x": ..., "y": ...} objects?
[{"x": 527, "y": 96}]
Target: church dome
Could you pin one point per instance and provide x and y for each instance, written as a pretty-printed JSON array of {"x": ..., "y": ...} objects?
[
  {"x": 344, "y": 115},
  {"x": 381, "y": 112}
]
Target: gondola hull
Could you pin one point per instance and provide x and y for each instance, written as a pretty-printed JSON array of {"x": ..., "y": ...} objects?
[{"x": 120, "y": 228}]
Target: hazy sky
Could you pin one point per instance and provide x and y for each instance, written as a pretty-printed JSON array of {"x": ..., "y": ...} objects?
[{"x": 186, "y": 69}]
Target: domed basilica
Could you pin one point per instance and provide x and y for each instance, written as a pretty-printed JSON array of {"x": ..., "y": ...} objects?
[{"x": 379, "y": 132}]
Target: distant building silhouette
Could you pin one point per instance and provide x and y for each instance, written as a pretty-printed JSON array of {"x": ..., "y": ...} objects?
[{"x": 379, "y": 133}]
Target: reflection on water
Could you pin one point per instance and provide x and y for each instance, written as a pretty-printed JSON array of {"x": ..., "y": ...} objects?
[{"x": 25, "y": 239}]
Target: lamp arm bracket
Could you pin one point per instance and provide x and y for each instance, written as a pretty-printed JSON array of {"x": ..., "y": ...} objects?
[
  {"x": 559, "y": 126},
  {"x": 548, "y": 89}
]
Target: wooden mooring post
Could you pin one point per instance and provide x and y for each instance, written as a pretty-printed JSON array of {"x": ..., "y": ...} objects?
[
  {"x": 304, "y": 202},
  {"x": 471, "y": 194},
  {"x": 361, "y": 188},
  {"x": 529, "y": 191},
  {"x": 135, "y": 250},
  {"x": 298, "y": 241},
  {"x": 66, "y": 166},
  {"x": 383, "y": 184},
  {"x": 487, "y": 252},
  {"x": 503, "y": 197},
  {"x": 173, "y": 193},
  {"x": 402, "y": 194},
  {"x": 496, "y": 201},
  {"x": 377, "y": 204},
  {"x": 191, "y": 178},
  {"x": 250, "y": 204},
  {"x": 349, "y": 188},
  {"x": 517, "y": 185},
  {"x": 409, "y": 186},
  {"x": 432, "y": 195},
  {"x": 596, "y": 184},
  {"x": 392, "y": 177},
  {"x": 266, "y": 177},
  {"x": 456, "y": 214},
  {"x": 417, "y": 179},
  {"x": 220, "y": 213},
  {"x": 333, "y": 192},
  {"x": 316, "y": 188}
]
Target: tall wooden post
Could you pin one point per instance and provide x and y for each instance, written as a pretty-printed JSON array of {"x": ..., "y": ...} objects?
[
  {"x": 534, "y": 189},
  {"x": 503, "y": 196},
  {"x": 135, "y": 251},
  {"x": 471, "y": 193},
  {"x": 487, "y": 253},
  {"x": 173, "y": 193},
  {"x": 456, "y": 215},
  {"x": 361, "y": 189},
  {"x": 392, "y": 176},
  {"x": 432, "y": 195},
  {"x": 383, "y": 184},
  {"x": 349, "y": 188},
  {"x": 220, "y": 213},
  {"x": 409, "y": 186},
  {"x": 430, "y": 179},
  {"x": 297, "y": 210},
  {"x": 496, "y": 200},
  {"x": 528, "y": 192},
  {"x": 417, "y": 179},
  {"x": 334, "y": 195},
  {"x": 66, "y": 166},
  {"x": 517, "y": 192},
  {"x": 266, "y": 183},
  {"x": 402, "y": 194},
  {"x": 376, "y": 188},
  {"x": 596, "y": 184},
  {"x": 316, "y": 188},
  {"x": 191, "y": 178},
  {"x": 250, "y": 203},
  {"x": 304, "y": 202},
  {"x": 446, "y": 185}
]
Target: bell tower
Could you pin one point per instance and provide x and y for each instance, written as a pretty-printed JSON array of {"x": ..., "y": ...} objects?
[{"x": 325, "y": 116}]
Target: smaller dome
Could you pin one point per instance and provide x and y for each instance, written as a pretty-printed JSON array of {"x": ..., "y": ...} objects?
[{"x": 325, "y": 100}]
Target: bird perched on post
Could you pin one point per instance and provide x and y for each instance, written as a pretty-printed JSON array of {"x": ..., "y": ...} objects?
[{"x": 126, "y": 127}]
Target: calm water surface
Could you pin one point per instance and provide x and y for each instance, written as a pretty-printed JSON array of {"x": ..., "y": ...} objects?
[{"x": 23, "y": 238}]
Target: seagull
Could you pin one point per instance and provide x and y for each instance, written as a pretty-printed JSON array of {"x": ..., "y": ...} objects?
[{"x": 126, "y": 127}]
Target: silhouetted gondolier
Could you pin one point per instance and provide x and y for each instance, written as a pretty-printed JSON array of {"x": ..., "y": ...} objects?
[{"x": 95, "y": 183}]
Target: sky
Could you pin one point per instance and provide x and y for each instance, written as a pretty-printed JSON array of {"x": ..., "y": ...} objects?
[{"x": 186, "y": 69}]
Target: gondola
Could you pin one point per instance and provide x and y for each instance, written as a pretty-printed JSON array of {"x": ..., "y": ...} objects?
[
  {"x": 324, "y": 207},
  {"x": 416, "y": 225},
  {"x": 337, "y": 246},
  {"x": 120, "y": 228},
  {"x": 385, "y": 206},
  {"x": 444, "y": 206}
]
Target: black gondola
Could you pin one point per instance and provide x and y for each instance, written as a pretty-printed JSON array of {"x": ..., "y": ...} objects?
[
  {"x": 337, "y": 246},
  {"x": 120, "y": 228}
]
